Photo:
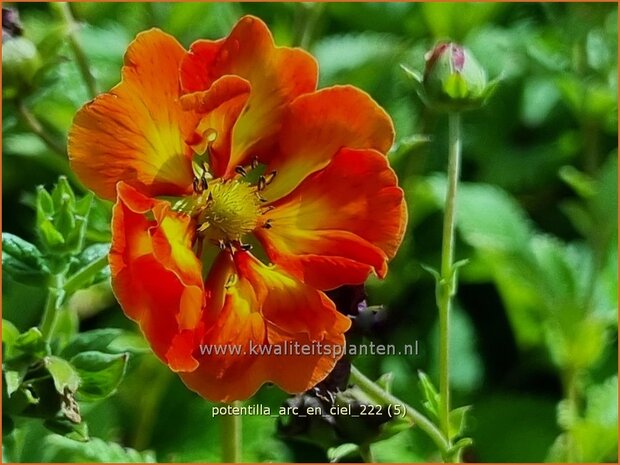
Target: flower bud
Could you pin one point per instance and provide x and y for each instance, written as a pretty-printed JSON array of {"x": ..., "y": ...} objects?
[
  {"x": 20, "y": 57},
  {"x": 453, "y": 79},
  {"x": 11, "y": 25},
  {"x": 61, "y": 220}
]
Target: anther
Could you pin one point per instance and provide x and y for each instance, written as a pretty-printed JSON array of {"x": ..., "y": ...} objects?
[
  {"x": 261, "y": 183},
  {"x": 241, "y": 170},
  {"x": 203, "y": 182},
  {"x": 270, "y": 177},
  {"x": 267, "y": 224},
  {"x": 254, "y": 163},
  {"x": 245, "y": 247},
  {"x": 196, "y": 184}
]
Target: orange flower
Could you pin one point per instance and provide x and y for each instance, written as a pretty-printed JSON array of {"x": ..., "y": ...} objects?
[{"x": 181, "y": 144}]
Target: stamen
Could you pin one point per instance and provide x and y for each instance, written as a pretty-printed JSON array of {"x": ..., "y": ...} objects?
[
  {"x": 270, "y": 177},
  {"x": 203, "y": 183},
  {"x": 226, "y": 211},
  {"x": 261, "y": 183},
  {"x": 241, "y": 170}
]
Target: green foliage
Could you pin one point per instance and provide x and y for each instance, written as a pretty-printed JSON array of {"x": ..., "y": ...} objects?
[
  {"x": 22, "y": 261},
  {"x": 100, "y": 373},
  {"x": 96, "y": 450},
  {"x": 534, "y": 331},
  {"x": 593, "y": 435}
]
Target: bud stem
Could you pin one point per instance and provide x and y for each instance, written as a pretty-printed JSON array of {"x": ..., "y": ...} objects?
[
  {"x": 374, "y": 391},
  {"x": 52, "y": 306},
  {"x": 37, "y": 128},
  {"x": 230, "y": 437},
  {"x": 81, "y": 59},
  {"x": 447, "y": 284},
  {"x": 79, "y": 279}
]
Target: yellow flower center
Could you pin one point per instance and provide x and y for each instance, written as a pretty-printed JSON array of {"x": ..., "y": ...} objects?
[{"x": 227, "y": 210}]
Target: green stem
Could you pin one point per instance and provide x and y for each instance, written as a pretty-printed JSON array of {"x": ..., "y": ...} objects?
[
  {"x": 366, "y": 453},
  {"x": 571, "y": 395},
  {"x": 52, "y": 306},
  {"x": 80, "y": 56},
  {"x": 447, "y": 284},
  {"x": 310, "y": 14},
  {"x": 375, "y": 391},
  {"x": 37, "y": 128},
  {"x": 77, "y": 281},
  {"x": 231, "y": 437}
]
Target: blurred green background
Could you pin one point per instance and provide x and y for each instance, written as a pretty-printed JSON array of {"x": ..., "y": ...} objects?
[{"x": 535, "y": 329}]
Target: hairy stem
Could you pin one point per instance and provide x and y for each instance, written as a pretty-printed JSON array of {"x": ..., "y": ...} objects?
[
  {"x": 80, "y": 56},
  {"x": 375, "y": 391},
  {"x": 77, "y": 281},
  {"x": 366, "y": 453},
  {"x": 37, "y": 128},
  {"x": 447, "y": 283},
  {"x": 52, "y": 306}
]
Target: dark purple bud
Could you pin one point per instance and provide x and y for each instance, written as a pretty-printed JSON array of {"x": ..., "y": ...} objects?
[{"x": 11, "y": 25}]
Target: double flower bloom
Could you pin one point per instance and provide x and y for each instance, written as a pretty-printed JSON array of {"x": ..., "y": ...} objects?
[{"x": 226, "y": 148}]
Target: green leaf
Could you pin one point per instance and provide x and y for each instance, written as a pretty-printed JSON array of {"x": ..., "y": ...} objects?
[
  {"x": 602, "y": 403},
  {"x": 75, "y": 432},
  {"x": 430, "y": 394},
  {"x": 100, "y": 373},
  {"x": 62, "y": 219},
  {"x": 94, "y": 340},
  {"x": 133, "y": 343},
  {"x": 580, "y": 182},
  {"x": 457, "y": 420},
  {"x": 593, "y": 437},
  {"x": 393, "y": 427},
  {"x": 385, "y": 381},
  {"x": 9, "y": 335},
  {"x": 64, "y": 375},
  {"x": 60, "y": 449},
  {"x": 32, "y": 342},
  {"x": 336, "y": 454},
  {"x": 415, "y": 76},
  {"x": 13, "y": 379},
  {"x": 49, "y": 235},
  {"x": 22, "y": 261},
  {"x": 44, "y": 203}
]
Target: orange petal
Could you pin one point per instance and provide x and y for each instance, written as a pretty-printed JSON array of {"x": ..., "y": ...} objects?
[
  {"x": 289, "y": 304},
  {"x": 269, "y": 308},
  {"x": 221, "y": 106},
  {"x": 277, "y": 75},
  {"x": 155, "y": 281},
  {"x": 318, "y": 125},
  {"x": 340, "y": 223},
  {"x": 136, "y": 132}
]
